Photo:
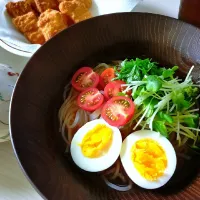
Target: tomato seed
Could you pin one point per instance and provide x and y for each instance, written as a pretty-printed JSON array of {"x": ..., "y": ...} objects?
[
  {"x": 82, "y": 100},
  {"x": 110, "y": 115},
  {"x": 79, "y": 77},
  {"x": 124, "y": 103}
]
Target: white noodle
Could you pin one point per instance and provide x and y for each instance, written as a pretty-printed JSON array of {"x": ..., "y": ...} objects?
[
  {"x": 116, "y": 187},
  {"x": 76, "y": 120}
]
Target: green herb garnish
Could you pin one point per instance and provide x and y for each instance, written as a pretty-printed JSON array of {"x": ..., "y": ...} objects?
[{"x": 164, "y": 103}]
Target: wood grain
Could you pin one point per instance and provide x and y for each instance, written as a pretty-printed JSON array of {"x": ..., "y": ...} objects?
[{"x": 38, "y": 96}]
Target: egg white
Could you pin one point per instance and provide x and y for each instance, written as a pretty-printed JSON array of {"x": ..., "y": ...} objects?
[
  {"x": 95, "y": 164},
  {"x": 133, "y": 173}
]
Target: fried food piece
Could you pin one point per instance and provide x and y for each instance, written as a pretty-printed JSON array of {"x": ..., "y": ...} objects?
[
  {"x": 51, "y": 22},
  {"x": 35, "y": 37},
  {"x": 66, "y": 19},
  {"x": 16, "y": 9},
  {"x": 76, "y": 10},
  {"x": 33, "y": 5},
  {"x": 59, "y": 1},
  {"x": 67, "y": 7},
  {"x": 69, "y": 20},
  {"x": 85, "y": 16},
  {"x": 26, "y": 23},
  {"x": 87, "y": 3},
  {"x": 80, "y": 13},
  {"x": 43, "y": 5},
  {"x": 30, "y": 2},
  {"x": 80, "y": 10}
]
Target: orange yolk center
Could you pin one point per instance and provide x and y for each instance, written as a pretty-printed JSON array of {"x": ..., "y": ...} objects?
[
  {"x": 97, "y": 141},
  {"x": 149, "y": 159}
]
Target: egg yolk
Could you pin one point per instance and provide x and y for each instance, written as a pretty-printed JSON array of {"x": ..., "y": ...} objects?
[
  {"x": 149, "y": 159},
  {"x": 97, "y": 141}
]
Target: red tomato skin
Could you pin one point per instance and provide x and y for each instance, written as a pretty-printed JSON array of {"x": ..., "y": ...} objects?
[
  {"x": 122, "y": 121},
  {"x": 93, "y": 107},
  {"x": 116, "y": 87},
  {"x": 101, "y": 85},
  {"x": 109, "y": 74},
  {"x": 85, "y": 70}
]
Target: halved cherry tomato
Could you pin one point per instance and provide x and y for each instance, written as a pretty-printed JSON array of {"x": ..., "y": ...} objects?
[
  {"x": 85, "y": 78},
  {"x": 90, "y": 99},
  {"x": 106, "y": 76},
  {"x": 113, "y": 88},
  {"x": 118, "y": 111}
]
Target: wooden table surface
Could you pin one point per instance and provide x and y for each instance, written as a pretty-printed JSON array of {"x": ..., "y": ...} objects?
[{"x": 13, "y": 183}]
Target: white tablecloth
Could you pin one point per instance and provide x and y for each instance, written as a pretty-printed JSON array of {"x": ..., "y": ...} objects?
[{"x": 13, "y": 184}]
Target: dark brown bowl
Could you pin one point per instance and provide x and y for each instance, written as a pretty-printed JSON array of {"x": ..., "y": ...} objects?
[{"x": 38, "y": 95}]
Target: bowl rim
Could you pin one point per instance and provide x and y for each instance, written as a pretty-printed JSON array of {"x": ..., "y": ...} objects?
[{"x": 131, "y": 14}]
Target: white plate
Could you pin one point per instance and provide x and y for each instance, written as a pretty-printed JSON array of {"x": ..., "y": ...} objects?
[
  {"x": 14, "y": 49},
  {"x": 14, "y": 42}
]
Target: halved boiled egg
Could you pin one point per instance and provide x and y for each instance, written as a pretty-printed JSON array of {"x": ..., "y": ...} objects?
[
  {"x": 148, "y": 158},
  {"x": 96, "y": 146}
]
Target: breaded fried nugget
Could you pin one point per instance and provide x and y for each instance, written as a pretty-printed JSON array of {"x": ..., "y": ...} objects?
[
  {"x": 35, "y": 37},
  {"x": 51, "y": 22},
  {"x": 85, "y": 16},
  {"x": 43, "y": 5},
  {"x": 75, "y": 9},
  {"x": 67, "y": 7},
  {"x": 59, "y": 1},
  {"x": 87, "y": 3},
  {"x": 80, "y": 10},
  {"x": 26, "y": 23},
  {"x": 80, "y": 13},
  {"x": 32, "y": 4},
  {"x": 16, "y": 9}
]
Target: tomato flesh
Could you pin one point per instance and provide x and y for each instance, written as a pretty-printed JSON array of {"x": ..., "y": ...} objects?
[
  {"x": 106, "y": 76},
  {"x": 113, "y": 88},
  {"x": 118, "y": 111},
  {"x": 85, "y": 78},
  {"x": 90, "y": 99}
]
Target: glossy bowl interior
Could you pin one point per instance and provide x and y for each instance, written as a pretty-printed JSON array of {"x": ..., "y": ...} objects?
[{"x": 38, "y": 95}]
